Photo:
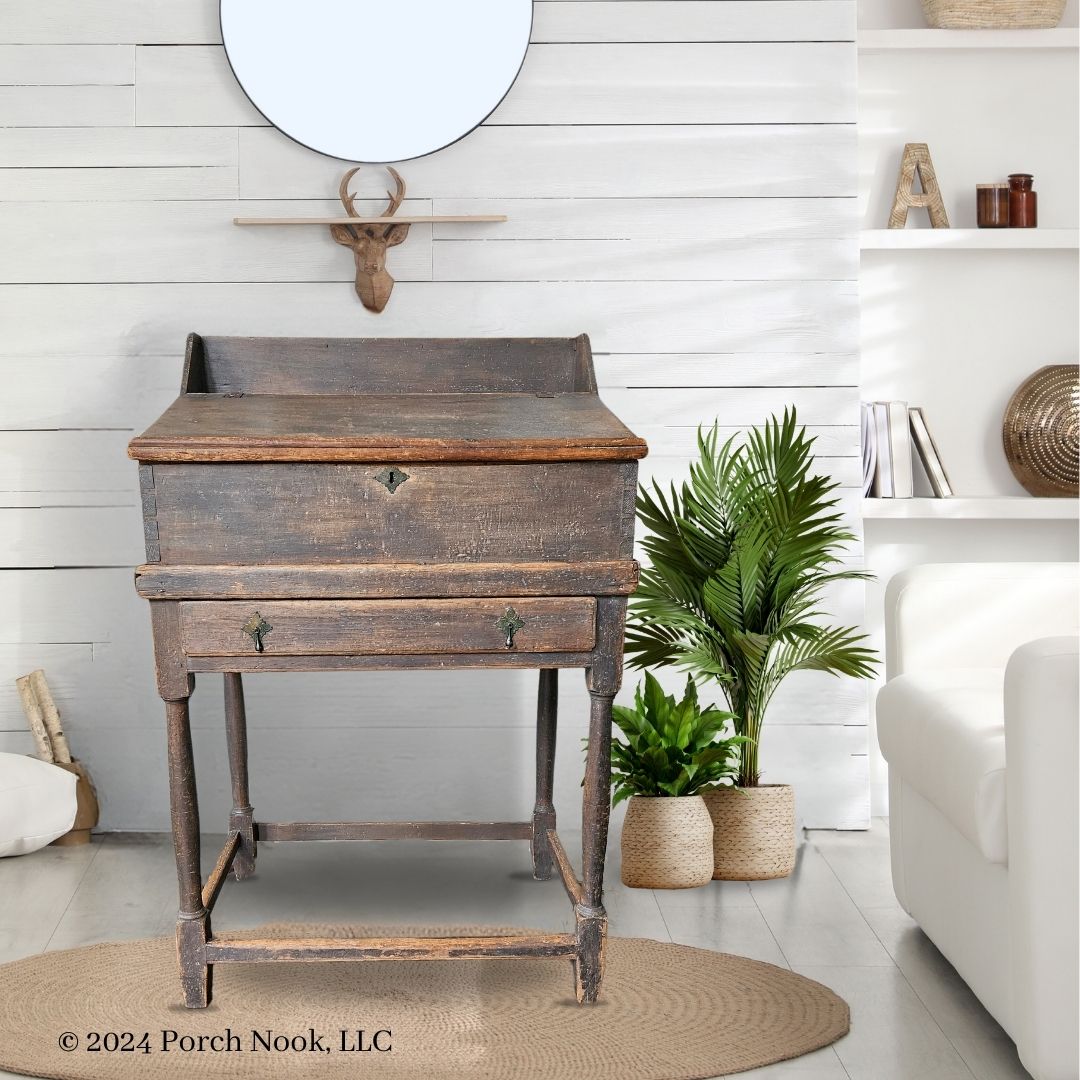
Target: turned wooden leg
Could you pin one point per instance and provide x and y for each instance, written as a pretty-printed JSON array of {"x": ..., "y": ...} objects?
[
  {"x": 192, "y": 924},
  {"x": 590, "y": 915},
  {"x": 547, "y": 707},
  {"x": 603, "y": 679},
  {"x": 242, "y": 816}
]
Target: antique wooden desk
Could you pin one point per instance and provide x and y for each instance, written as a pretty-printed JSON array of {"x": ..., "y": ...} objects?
[{"x": 354, "y": 504}]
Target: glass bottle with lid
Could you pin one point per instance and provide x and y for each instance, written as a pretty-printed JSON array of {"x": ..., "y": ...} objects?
[{"x": 1023, "y": 202}]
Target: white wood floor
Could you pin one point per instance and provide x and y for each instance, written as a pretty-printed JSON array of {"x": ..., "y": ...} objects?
[{"x": 835, "y": 919}]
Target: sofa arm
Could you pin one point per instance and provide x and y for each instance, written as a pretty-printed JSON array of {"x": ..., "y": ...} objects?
[
  {"x": 973, "y": 615},
  {"x": 1042, "y": 717}
]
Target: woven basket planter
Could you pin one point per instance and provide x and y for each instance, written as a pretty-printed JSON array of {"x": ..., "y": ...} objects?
[
  {"x": 667, "y": 843},
  {"x": 988, "y": 14},
  {"x": 753, "y": 832}
]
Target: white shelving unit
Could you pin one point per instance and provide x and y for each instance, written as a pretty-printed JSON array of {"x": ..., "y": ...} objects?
[
  {"x": 1004, "y": 508},
  {"x": 970, "y": 239},
  {"x": 954, "y": 319}
]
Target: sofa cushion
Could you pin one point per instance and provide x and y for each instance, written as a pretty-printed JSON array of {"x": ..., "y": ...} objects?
[
  {"x": 943, "y": 732},
  {"x": 37, "y": 803}
]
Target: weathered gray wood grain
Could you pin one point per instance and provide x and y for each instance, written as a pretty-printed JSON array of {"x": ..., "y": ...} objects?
[
  {"x": 281, "y": 513},
  {"x": 387, "y": 627}
]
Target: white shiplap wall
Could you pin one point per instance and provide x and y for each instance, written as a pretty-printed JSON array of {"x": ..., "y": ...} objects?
[{"x": 680, "y": 180}]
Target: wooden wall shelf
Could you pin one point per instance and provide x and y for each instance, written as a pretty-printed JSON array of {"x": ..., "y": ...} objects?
[{"x": 425, "y": 219}]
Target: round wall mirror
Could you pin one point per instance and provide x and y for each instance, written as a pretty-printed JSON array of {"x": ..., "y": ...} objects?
[{"x": 376, "y": 80}]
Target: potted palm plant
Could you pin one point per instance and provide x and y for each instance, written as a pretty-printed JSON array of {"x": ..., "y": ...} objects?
[
  {"x": 673, "y": 751},
  {"x": 739, "y": 558}
]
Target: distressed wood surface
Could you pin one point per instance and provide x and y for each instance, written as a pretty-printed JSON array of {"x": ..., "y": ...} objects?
[
  {"x": 376, "y": 427},
  {"x": 566, "y": 871},
  {"x": 543, "y": 818},
  {"x": 283, "y": 513},
  {"x": 261, "y": 662},
  {"x": 256, "y": 950},
  {"x": 220, "y": 872},
  {"x": 241, "y": 819},
  {"x": 332, "y": 634},
  {"x": 388, "y": 627},
  {"x": 317, "y": 366},
  {"x": 393, "y": 830},
  {"x": 392, "y": 580},
  {"x": 191, "y": 922}
]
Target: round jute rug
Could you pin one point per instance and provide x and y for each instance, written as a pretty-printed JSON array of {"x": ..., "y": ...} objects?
[{"x": 667, "y": 1012}]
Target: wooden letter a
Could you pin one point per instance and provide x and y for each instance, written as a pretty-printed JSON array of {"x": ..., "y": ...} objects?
[{"x": 917, "y": 160}]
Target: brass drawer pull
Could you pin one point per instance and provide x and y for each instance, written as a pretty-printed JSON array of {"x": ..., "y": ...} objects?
[
  {"x": 257, "y": 628},
  {"x": 510, "y": 623}
]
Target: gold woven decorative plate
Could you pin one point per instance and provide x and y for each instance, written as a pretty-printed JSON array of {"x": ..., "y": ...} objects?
[{"x": 1041, "y": 432}]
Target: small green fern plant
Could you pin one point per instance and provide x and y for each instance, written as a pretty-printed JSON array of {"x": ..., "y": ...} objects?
[
  {"x": 672, "y": 748},
  {"x": 739, "y": 557}
]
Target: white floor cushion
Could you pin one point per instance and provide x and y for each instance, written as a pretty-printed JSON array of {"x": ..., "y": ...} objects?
[
  {"x": 37, "y": 803},
  {"x": 943, "y": 732}
]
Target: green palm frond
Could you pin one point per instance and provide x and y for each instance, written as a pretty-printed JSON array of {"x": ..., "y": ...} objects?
[{"x": 738, "y": 558}]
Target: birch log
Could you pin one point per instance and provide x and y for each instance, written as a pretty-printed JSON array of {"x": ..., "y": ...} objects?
[
  {"x": 35, "y": 719},
  {"x": 51, "y": 716}
]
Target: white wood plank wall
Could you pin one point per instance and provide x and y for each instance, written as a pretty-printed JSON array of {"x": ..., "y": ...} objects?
[{"x": 680, "y": 177}]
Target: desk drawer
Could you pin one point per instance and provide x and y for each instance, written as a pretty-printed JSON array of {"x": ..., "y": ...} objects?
[
  {"x": 261, "y": 514},
  {"x": 377, "y": 627}
]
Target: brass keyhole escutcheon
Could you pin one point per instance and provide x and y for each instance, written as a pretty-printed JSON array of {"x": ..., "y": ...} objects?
[
  {"x": 509, "y": 623},
  {"x": 391, "y": 477},
  {"x": 257, "y": 628}
]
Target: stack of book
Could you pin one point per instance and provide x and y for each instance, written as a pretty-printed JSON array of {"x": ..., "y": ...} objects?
[{"x": 890, "y": 430}]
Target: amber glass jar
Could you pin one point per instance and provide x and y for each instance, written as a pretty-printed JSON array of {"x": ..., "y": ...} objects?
[
  {"x": 1023, "y": 202},
  {"x": 992, "y": 206}
]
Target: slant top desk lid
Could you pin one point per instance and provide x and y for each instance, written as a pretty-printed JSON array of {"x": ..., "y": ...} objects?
[{"x": 304, "y": 399}]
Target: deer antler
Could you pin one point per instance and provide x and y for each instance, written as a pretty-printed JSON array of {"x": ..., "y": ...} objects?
[
  {"x": 348, "y": 201},
  {"x": 396, "y": 198}
]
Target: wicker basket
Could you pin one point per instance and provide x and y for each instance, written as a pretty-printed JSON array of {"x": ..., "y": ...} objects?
[
  {"x": 753, "y": 832},
  {"x": 667, "y": 843},
  {"x": 986, "y": 14}
]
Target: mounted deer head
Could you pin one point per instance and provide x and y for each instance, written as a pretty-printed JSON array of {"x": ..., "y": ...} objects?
[{"x": 369, "y": 243}]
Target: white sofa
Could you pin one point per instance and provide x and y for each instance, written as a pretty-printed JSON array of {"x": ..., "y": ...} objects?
[{"x": 978, "y": 722}]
